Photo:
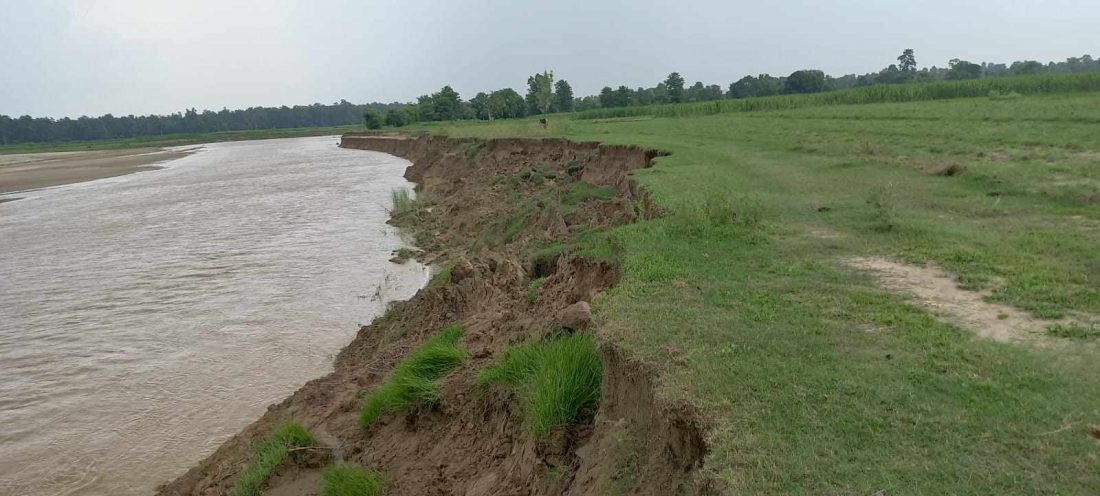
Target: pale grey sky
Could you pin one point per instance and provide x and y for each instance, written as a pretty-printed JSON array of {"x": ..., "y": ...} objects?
[{"x": 74, "y": 57}]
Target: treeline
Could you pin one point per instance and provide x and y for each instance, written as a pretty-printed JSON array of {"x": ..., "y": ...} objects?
[
  {"x": 543, "y": 95},
  {"x": 546, "y": 96},
  {"x": 28, "y": 129},
  {"x": 994, "y": 87}
]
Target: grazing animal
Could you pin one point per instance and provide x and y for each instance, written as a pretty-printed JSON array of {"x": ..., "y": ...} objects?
[{"x": 543, "y": 121}]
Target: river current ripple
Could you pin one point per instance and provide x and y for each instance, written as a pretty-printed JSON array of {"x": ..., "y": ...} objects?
[{"x": 146, "y": 318}]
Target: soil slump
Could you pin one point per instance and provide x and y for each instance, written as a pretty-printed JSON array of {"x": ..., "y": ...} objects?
[{"x": 485, "y": 207}]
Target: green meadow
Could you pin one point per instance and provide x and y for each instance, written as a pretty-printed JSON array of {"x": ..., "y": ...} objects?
[{"x": 816, "y": 377}]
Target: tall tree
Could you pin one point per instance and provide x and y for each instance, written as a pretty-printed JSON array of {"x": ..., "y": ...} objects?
[
  {"x": 447, "y": 105},
  {"x": 607, "y": 97},
  {"x": 907, "y": 61},
  {"x": 479, "y": 105},
  {"x": 674, "y": 84},
  {"x": 540, "y": 93},
  {"x": 563, "y": 96}
]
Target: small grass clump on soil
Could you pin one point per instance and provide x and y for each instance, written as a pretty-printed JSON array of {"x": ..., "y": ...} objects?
[
  {"x": 443, "y": 276},
  {"x": 558, "y": 380},
  {"x": 343, "y": 479},
  {"x": 402, "y": 255},
  {"x": 533, "y": 289},
  {"x": 471, "y": 151},
  {"x": 267, "y": 455},
  {"x": 581, "y": 191},
  {"x": 415, "y": 379},
  {"x": 403, "y": 202},
  {"x": 1074, "y": 330}
]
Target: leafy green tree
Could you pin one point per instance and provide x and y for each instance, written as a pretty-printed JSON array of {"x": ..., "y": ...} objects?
[
  {"x": 479, "y": 105},
  {"x": 607, "y": 97},
  {"x": 395, "y": 118},
  {"x": 563, "y": 96},
  {"x": 805, "y": 81},
  {"x": 710, "y": 93},
  {"x": 961, "y": 69},
  {"x": 907, "y": 61},
  {"x": 540, "y": 93},
  {"x": 447, "y": 105},
  {"x": 674, "y": 85},
  {"x": 372, "y": 118},
  {"x": 624, "y": 96},
  {"x": 1026, "y": 67},
  {"x": 749, "y": 86},
  {"x": 586, "y": 103},
  {"x": 506, "y": 104},
  {"x": 694, "y": 92},
  {"x": 660, "y": 93},
  {"x": 425, "y": 108}
]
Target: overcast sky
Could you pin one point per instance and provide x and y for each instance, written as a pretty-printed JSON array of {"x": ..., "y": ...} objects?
[{"x": 74, "y": 57}]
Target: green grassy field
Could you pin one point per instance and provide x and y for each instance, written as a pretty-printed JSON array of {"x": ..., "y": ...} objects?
[
  {"x": 175, "y": 139},
  {"x": 818, "y": 379}
]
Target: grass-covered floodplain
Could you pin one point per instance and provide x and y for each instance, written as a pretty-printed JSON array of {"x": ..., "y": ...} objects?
[{"x": 821, "y": 381}]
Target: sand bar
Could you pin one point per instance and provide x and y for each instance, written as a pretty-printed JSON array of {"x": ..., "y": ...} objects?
[{"x": 25, "y": 171}]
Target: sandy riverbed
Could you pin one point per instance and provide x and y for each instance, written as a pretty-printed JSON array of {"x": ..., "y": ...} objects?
[{"x": 19, "y": 172}]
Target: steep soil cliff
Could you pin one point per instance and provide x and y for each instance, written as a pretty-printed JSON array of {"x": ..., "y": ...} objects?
[{"x": 496, "y": 215}]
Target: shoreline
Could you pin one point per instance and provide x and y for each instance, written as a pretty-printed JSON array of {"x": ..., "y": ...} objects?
[
  {"x": 468, "y": 441},
  {"x": 32, "y": 171}
]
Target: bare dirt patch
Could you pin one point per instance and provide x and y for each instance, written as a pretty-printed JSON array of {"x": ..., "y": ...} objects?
[{"x": 935, "y": 289}]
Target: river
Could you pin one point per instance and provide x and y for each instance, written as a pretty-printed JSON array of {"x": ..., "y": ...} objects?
[{"x": 146, "y": 318}]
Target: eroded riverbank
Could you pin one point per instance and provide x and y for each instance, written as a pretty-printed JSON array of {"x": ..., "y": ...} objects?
[{"x": 499, "y": 214}]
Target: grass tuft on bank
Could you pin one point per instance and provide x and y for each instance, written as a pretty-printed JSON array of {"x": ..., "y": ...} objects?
[
  {"x": 267, "y": 455},
  {"x": 558, "y": 380},
  {"x": 415, "y": 380},
  {"x": 344, "y": 479}
]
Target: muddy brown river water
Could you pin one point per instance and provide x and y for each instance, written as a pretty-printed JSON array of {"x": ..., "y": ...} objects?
[{"x": 146, "y": 318}]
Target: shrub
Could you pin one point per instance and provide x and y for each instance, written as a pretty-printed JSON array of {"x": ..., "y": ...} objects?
[
  {"x": 344, "y": 479},
  {"x": 267, "y": 455},
  {"x": 395, "y": 118},
  {"x": 372, "y": 119},
  {"x": 415, "y": 379},
  {"x": 558, "y": 380}
]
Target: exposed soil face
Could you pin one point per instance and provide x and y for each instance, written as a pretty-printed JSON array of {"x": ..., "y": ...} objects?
[{"x": 486, "y": 208}]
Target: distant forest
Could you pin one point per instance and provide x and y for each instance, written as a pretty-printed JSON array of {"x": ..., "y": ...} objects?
[
  {"x": 27, "y": 129},
  {"x": 543, "y": 95}
]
